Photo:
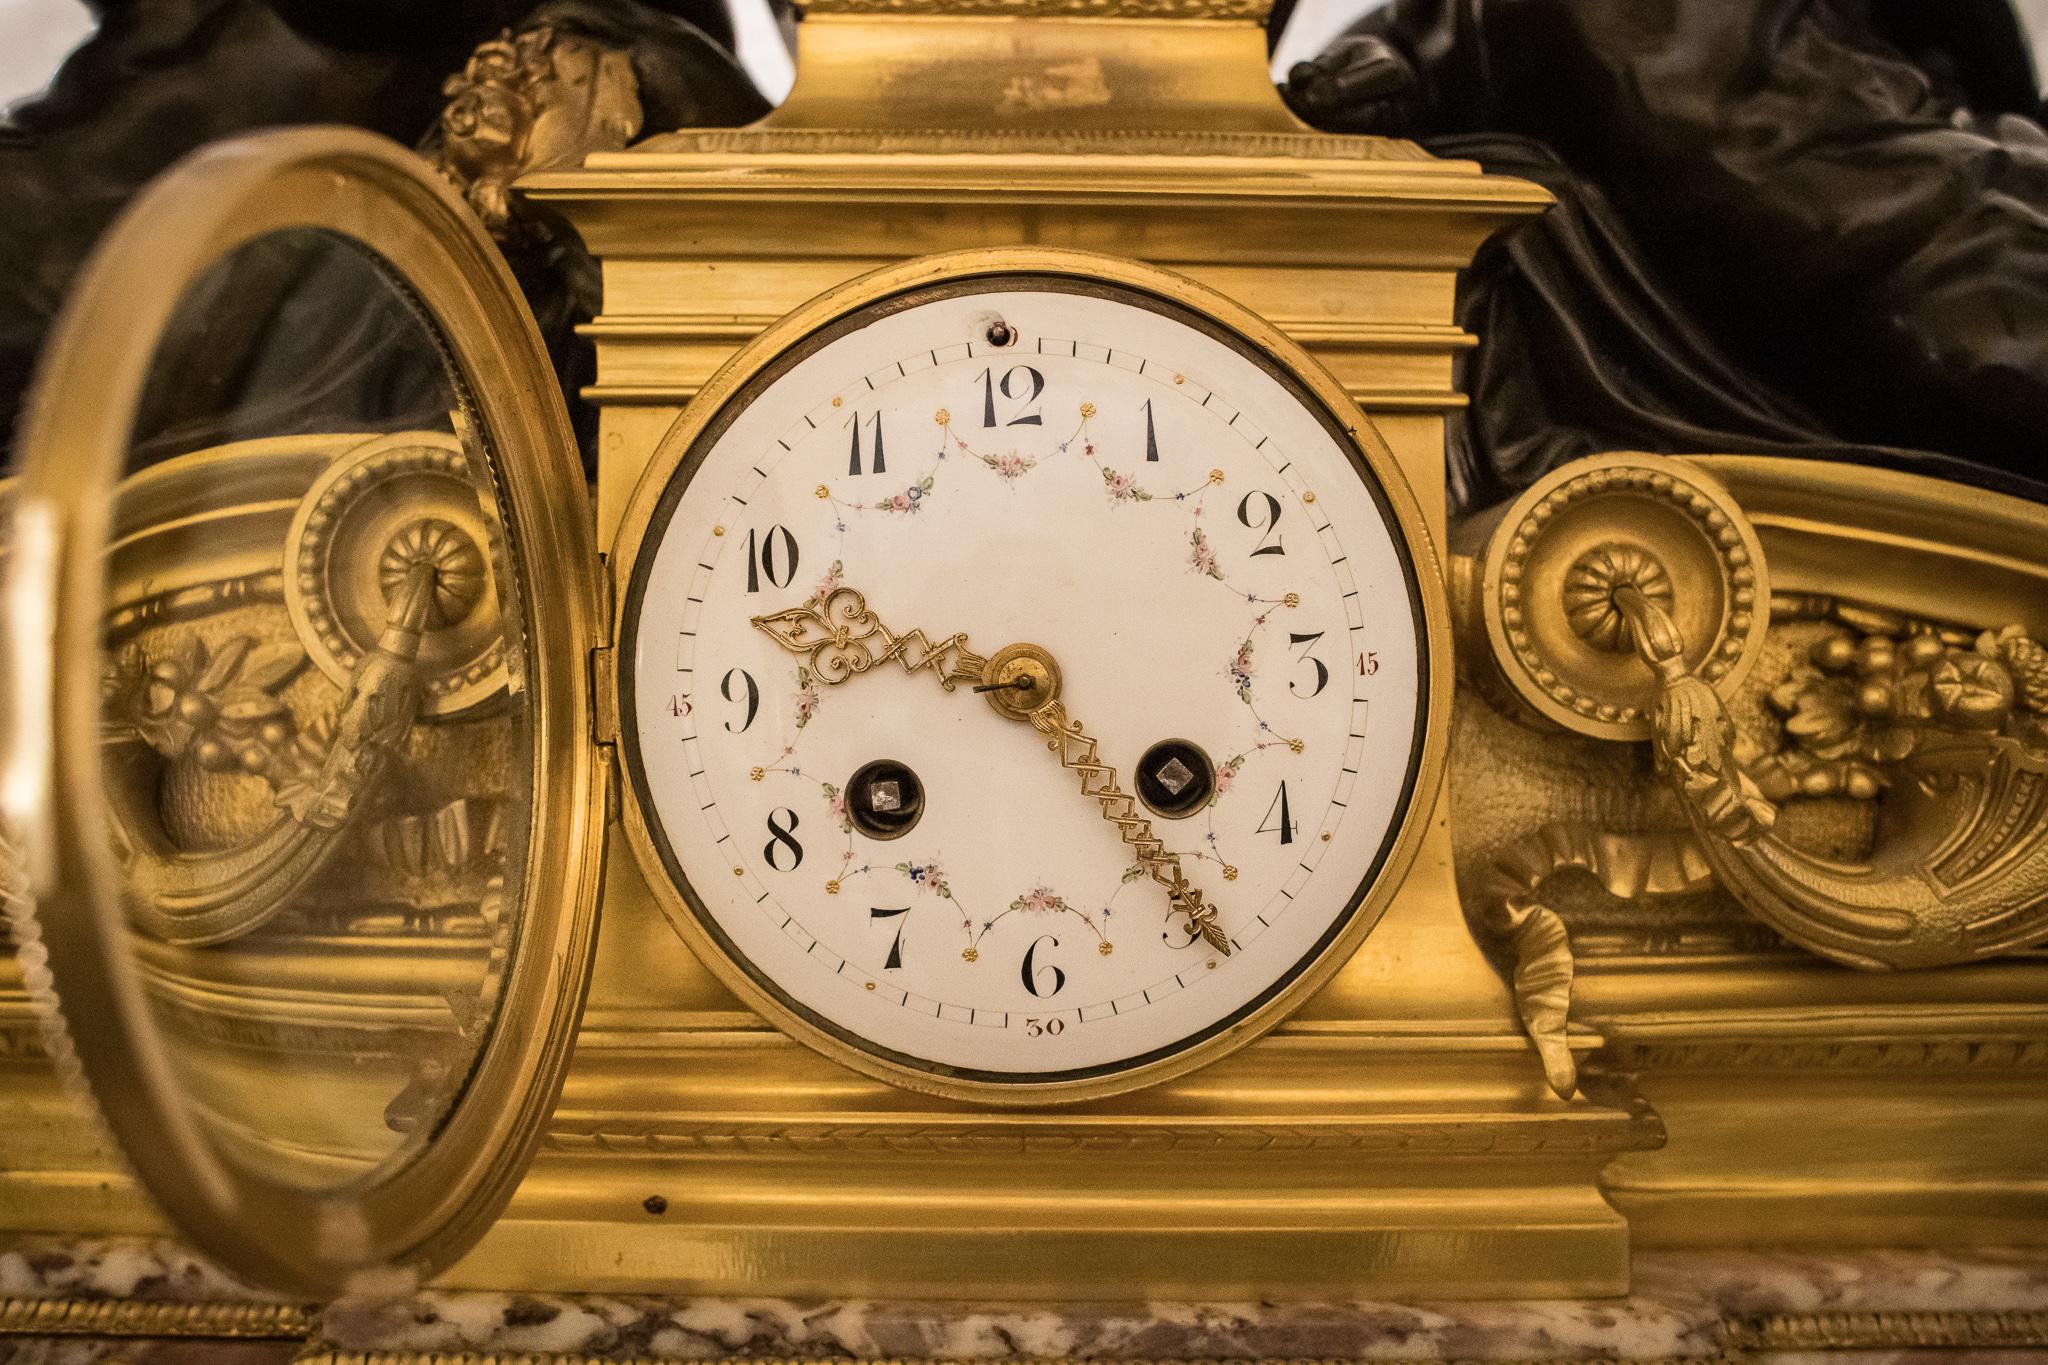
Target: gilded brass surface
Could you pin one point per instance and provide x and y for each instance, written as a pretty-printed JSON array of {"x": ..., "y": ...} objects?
[
  {"x": 1400, "y": 1091},
  {"x": 841, "y": 639},
  {"x": 26, "y": 1317},
  {"x": 528, "y": 102},
  {"x": 1117, "y": 66},
  {"x": 1871, "y": 731},
  {"x": 1554, "y": 563},
  {"x": 383, "y": 508},
  {"x": 1946, "y": 718},
  {"x": 1964, "y": 876},
  {"x": 1018, "y": 678},
  {"x": 1079, "y": 751}
]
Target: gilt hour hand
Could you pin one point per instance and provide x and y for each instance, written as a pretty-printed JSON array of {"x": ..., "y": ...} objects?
[{"x": 842, "y": 638}]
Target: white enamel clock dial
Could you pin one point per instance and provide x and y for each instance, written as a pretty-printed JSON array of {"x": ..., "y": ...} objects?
[{"x": 909, "y": 874}]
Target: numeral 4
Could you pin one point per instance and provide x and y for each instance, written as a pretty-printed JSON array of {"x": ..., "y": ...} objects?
[{"x": 1288, "y": 825}]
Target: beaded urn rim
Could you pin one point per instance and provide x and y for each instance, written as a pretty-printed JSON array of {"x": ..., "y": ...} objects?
[
  {"x": 1650, "y": 523},
  {"x": 378, "y": 503}
]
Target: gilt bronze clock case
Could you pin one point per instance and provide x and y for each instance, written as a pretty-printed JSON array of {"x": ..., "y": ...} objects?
[
  {"x": 960, "y": 274},
  {"x": 508, "y": 535}
]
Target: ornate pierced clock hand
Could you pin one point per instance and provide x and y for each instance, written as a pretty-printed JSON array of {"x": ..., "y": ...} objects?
[
  {"x": 1022, "y": 682},
  {"x": 844, "y": 638},
  {"x": 1077, "y": 750}
]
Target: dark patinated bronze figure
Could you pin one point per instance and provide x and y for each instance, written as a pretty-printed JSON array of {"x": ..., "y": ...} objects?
[{"x": 1786, "y": 226}]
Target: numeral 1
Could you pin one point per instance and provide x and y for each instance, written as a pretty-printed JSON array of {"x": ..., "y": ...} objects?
[{"x": 1151, "y": 436}]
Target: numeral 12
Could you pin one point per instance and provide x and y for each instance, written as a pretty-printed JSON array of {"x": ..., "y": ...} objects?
[{"x": 1011, "y": 378}]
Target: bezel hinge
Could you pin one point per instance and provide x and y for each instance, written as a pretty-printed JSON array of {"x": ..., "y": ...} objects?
[{"x": 604, "y": 685}]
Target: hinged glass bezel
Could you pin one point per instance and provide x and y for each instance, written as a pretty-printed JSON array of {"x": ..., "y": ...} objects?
[{"x": 393, "y": 1227}]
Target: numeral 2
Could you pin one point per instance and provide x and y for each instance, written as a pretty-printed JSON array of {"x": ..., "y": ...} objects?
[
  {"x": 1032, "y": 377},
  {"x": 1270, "y": 524}
]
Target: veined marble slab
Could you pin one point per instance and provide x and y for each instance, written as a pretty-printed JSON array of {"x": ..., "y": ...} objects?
[{"x": 1685, "y": 1306}]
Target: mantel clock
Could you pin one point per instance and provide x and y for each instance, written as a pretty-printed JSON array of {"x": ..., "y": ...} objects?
[{"x": 1020, "y": 671}]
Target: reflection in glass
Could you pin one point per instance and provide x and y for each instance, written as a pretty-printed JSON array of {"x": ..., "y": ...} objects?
[{"x": 316, "y": 743}]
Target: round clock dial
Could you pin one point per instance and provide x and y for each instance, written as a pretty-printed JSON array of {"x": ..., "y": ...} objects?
[{"x": 1023, "y": 682}]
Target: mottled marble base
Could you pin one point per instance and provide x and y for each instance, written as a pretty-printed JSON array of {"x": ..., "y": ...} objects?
[
  {"x": 1683, "y": 1307},
  {"x": 1798, "y": 1306}
]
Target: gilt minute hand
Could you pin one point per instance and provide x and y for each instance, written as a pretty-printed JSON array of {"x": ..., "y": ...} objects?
[{"x": 843, "y": 638}]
